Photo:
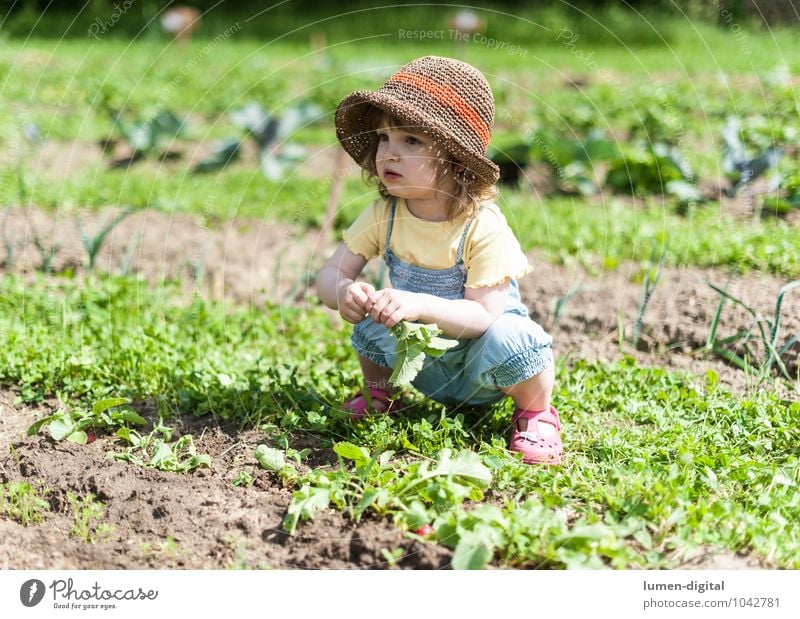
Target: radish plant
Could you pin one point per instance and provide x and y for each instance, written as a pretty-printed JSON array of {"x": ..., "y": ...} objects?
[
  {"x": 157, "y": 450},
  {"x": 79, "y": 425},
  {"x": 414, "y": 341},
  {"x": 274, "y": 460},
  {"x": 406, "y": 491}
]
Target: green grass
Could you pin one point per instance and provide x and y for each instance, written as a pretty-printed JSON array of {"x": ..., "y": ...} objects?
[
  {"x": 600, "y": 232},
  {"x": 115, "y": 337},
  {"x": 657, "y": 462},
  {"x": 169, "y": 188}
]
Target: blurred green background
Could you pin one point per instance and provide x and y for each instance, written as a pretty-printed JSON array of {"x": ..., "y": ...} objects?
[{"x": 634, "y": 119}]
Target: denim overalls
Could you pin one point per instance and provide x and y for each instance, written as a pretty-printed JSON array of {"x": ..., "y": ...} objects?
[{"x": 512, "y": 349}]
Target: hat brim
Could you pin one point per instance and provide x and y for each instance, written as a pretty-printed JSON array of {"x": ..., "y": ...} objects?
[{"x": 356, "y": 138}]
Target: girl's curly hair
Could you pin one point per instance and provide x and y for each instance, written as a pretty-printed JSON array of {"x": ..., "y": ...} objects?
[{"x": 470, "y": 190}]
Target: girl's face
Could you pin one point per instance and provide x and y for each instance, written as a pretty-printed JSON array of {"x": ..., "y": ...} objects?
[{"x": 407, "y": 163}]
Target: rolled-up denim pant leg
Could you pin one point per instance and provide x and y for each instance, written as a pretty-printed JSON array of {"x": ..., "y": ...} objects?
[
  {"x": 375, "y": 342},
  {"x": 513, "y": 349}
]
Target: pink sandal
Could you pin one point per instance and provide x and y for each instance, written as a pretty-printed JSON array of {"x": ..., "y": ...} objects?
[
  {"x": 535, "y": 448},
  {"x": 382, "y": 403}
]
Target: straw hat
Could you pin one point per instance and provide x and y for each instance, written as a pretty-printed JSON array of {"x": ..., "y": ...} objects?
[{"x": 451, "y": 100}]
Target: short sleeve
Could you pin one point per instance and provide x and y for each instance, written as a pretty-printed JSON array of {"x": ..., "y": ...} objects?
[
  {"x": 366, "y": 235},
  {"x": 493, "y": 253}
]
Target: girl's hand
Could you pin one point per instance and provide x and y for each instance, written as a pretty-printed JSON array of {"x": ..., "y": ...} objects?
[
  {"x": 353, "y": 301},
  {"x": 389, "y": 306}
]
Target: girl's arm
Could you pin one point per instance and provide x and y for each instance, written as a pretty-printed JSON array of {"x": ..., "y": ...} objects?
[
  {"x": 467, "y": 318},
  {"x": 336, "y": 286}
]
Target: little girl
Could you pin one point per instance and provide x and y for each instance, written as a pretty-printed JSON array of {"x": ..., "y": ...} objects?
[{"x": 452, "y": 258}]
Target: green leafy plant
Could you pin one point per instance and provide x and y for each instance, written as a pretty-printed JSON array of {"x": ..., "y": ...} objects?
[
  {"x": 270, "y": 134},
  {"x": 243, "y": 479},
  {"x": 569, "y": 159},
  {"x": 787, "y": 195},
  {"x": 274, "y": 460},
  {"x": 22, "y": 502},
  {"x": 414, "y": 341},
  {"x": 408, "y": 492},
  {"x": 530, "y": 534},
  {"x": 681, "y": 458},
  {"x": 393, "y": 556},
  {"x": 157, "y": 450},
  {"x": 88, "y": 516},
  {"x": 738, "y": 167},
  {"x": 74, "y": 426},
  {"x": 655, "y": 124},
  {"x": 649, "y": 169},
  {"x": 145, "y": 137}
]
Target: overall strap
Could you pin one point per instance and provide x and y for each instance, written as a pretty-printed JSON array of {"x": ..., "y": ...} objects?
[
  {"x": 463, "y": 240},
  {"x": 391, "y": 224}
]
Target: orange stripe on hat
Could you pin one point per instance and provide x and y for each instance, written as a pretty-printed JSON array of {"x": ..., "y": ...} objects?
[{"x": 449, "y": 97}]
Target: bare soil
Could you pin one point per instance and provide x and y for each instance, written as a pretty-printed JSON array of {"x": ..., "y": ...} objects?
[
  {"x": 196, "y": 521},
  {"x": 677, "y": 321},
  {"x": 246, "y": 261},
  {"x": 200, "y": 520}
]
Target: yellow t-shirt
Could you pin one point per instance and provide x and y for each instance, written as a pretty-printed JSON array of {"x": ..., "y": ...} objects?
[{"x": 491, "y": 251}]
